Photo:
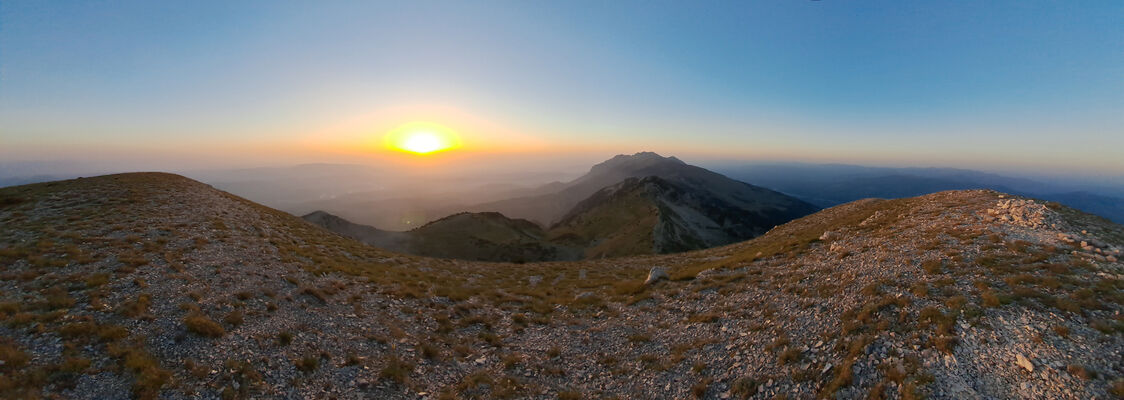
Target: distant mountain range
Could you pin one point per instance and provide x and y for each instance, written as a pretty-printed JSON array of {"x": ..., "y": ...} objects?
[
  {"x": 394, "y": 201},
  {"x": 828, "y": 185},
  {"x": 628, "y": 205}
]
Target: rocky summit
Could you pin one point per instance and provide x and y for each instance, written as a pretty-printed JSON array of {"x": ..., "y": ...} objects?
[{"x": 156, "y": 286}]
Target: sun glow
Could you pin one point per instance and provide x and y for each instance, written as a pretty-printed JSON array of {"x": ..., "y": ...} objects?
[{"x": 422, "y": 138}]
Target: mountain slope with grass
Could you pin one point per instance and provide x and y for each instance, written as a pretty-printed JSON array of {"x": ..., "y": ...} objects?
[
  {"x": 486, "y": 237},
  {"x": 548, "y": 209},
  {"x": 153, "y": 285},
  {"x": 463, "y": 236},
  {"x": 653, "y": 215}
]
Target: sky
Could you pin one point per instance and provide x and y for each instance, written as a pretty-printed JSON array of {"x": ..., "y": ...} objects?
[{"x": 1021, "y": 85}]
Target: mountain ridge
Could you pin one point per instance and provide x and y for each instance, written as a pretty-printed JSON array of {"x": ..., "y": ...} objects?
[{"x": 547, "y": 209}]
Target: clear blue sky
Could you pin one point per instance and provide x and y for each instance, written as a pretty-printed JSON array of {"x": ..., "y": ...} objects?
[{"x": 986, "y": 84}]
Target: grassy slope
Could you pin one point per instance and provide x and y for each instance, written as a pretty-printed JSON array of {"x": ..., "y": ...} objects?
[{"x": 621, "y": 225}]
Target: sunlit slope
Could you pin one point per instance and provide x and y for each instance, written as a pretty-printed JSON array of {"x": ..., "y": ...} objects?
[{"x": 157, "y": 285}]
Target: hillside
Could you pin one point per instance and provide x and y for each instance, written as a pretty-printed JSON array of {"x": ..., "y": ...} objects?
[
  {"x": 548, "y": 209},
  {"x": 153, "y": 285},
  {"x": 389, "y": 240},
  {"x": 490, "y": 237},
  {"x": 462, "y": 236},
  {"x": 653, "y": 215}
]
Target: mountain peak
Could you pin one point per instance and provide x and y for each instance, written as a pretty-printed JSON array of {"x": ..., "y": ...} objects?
[{"x": 644, "y": 159}]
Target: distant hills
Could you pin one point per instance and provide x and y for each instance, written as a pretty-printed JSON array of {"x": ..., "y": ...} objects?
[
  {"x": 827, "y": 185},
  {"x": 631, "y": 204},
  {"x": 486, "y": 236}
]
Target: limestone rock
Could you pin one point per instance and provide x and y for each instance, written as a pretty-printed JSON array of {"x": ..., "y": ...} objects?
[
  {"x": 828, "y": 236},
  {"x": 1024, "y": 362}
]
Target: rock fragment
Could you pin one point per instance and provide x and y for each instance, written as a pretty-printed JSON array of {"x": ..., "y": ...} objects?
[{"x": 1024, "y": 362}]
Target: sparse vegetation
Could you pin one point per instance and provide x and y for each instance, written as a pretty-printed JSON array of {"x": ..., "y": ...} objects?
[
  {"x": 285, "y": 338},
  {"x": 307, "y": 363},
  {"x": 569, "y": 395},
  {"x": 201, "y": 325},
  {"x": 396, "y": 370},
  {"x": 233, "y": 318}
]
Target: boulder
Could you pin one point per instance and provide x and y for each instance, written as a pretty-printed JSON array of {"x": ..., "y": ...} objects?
[{"x": 655, "y": 275}]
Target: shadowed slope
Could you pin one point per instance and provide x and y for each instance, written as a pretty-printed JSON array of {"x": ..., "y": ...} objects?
[
  {"x": 654, "y": 215},
  {"x": 548, "y": 209}
]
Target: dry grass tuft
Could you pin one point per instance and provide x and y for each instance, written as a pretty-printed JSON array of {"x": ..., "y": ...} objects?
[{"x": 202, "y": 325}]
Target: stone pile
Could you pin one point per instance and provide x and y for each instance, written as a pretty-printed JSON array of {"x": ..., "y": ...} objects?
[{"x": 1020, "y": 212}]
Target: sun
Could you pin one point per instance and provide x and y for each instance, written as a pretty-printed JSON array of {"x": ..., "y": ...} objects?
[
  {"x": 423, "y": 143},
  {"x": 422, "y": 138}
]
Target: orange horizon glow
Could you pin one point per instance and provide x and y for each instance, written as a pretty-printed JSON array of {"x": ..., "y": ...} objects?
[{"x": 432, "y": 131}]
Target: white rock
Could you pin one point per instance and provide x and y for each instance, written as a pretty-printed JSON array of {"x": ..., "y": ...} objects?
[{"x": 655, "y": 275}]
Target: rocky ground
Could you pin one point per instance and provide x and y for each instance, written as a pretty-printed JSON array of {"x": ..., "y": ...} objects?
[{"x": 153, "y": 285}]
